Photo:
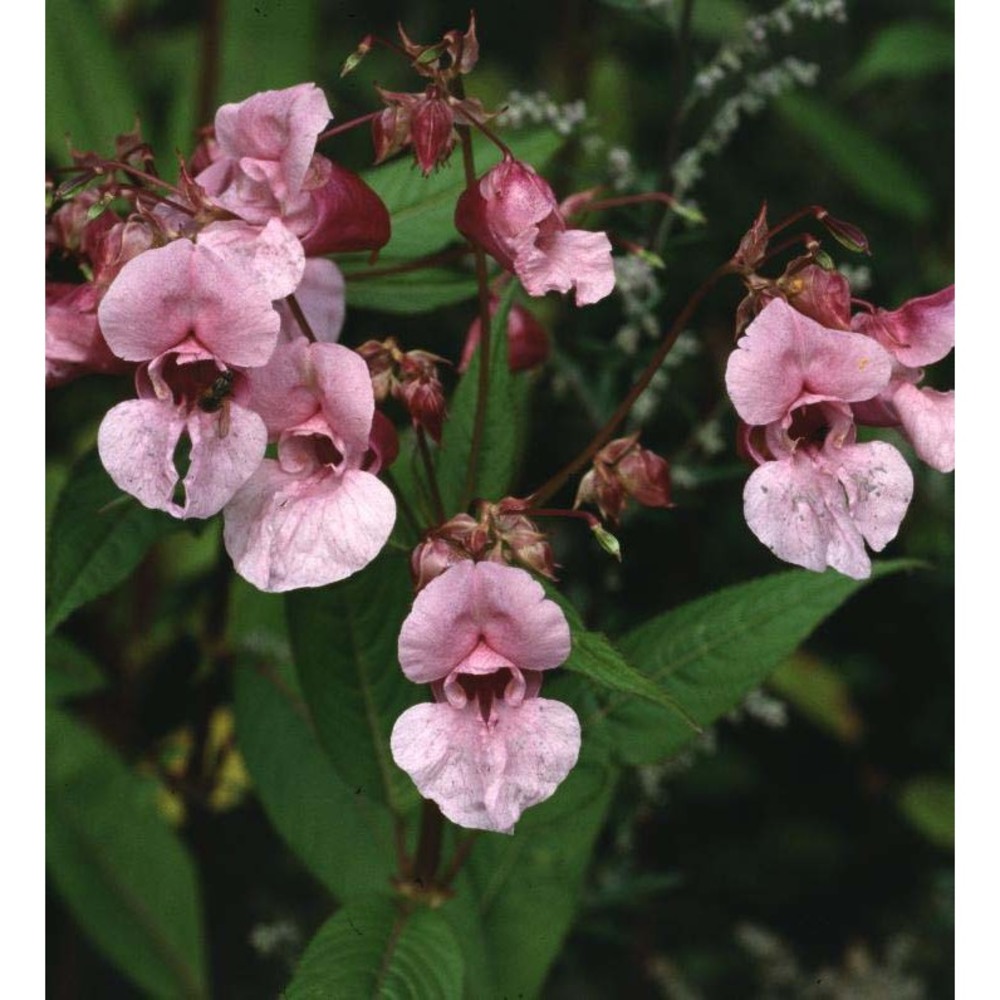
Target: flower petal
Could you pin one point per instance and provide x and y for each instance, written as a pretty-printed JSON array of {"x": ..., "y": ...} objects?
[
  {"x": 483, "y": 777},
  {"x": 919, "y": 332},
  {"x": 273, "y": 254},
  {"x": 928, "y": 418},
  {"x": 285, "y": 532},
  {"x": 571, "y": 258},
  {"x": 786, "y": 359}
]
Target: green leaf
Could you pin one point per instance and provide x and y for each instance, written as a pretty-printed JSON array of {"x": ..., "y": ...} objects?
[
  {"x": 409, "y": 292},
  {"x": 594, "y": 657},
  {"x": 267, "y": 45},
  {"x": 870, "y": 167},
  {"x": 97, "y": 537},
  {"x": 502, "y": 428},
  {"x": 528, "y": 886},
  {"x": 373, "y": 948},
  {"x": 709, "y": 653},
  {"x": 120, "y": 869},
  {"x": 423, "y": 208},
  {"x": 88, "y": 94},
  {"x": 69, "y": 672},
  {"x": 820, "y": 694},
  {"x": 928, "y": 802},
  {"x": 344, "y": 645},
  {"x": 345, "y": 840},
  {"x": 902, "y": 51}
]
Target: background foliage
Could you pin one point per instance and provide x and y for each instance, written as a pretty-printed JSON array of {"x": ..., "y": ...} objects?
[{"x": 804, "y": 844}]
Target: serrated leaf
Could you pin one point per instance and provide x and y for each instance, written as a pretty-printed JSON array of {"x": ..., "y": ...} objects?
[
  {"x": 869, "y": 166},
  {"x": 422, "y": 209},
  {"x": 344, "y": 644},
  {"x": 69, "y": 672},
  {"x": 594, "y": 656},
  {"x": 120, "y": 869},
  {"x": 410, "y": 292},
  {"x": 97, "y": 537},
  {"x": 373, "y": 948},
  {"x": 345, "y": 840},
  {"x": 88, "y": 94},
  {"x": 502, "y": 427},
  {"x": 709, "y": 653},
  {"x": 902, "y": 51}
]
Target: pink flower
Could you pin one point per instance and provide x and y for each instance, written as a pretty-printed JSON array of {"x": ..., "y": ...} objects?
[
  {"x": 488, "y": 747},
  {"x": 513, "y": 215},
  {"x": 317, "y": 513},
  {"x": 817, "y": 496},
  {"x": 195, "y": 320},
  {"x": 266, "y": 167}
]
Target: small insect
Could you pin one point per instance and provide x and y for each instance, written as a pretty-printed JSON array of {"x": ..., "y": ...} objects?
[{"x": 215, "y": 399}]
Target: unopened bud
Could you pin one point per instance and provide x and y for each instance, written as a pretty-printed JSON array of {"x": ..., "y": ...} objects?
[
  {"x": 753, "y": 245},
  {"x": 824, "y": 296},
  {"x": 607, "y": 541},
  {"x": 430, "y": 559},
  {"x": 352, "y": 61},
  {"x": 845, "y": 233}
]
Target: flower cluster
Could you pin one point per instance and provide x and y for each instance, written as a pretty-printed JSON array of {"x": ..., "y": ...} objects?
[
  {"x": 218, "y": 301},
  {"x": 804, "y": 375}
]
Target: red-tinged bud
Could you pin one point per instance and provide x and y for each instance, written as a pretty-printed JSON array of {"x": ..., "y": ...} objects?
[
  {"x": 845, "y": 233},
  {"x": 349, "y": 214},
  {"x": 383, "y": 443},
  {"x": 431, "y": 558},
  {"x": 432, "y": 128},
  {"x": 822, "y": 295},
  {"x": 456, "y": 53},
  {"x": 390, "y": 131},
  {"x": 120, "y": 243},
  {"x": 351, "y": 62},
  {"x": 205, "y": 153},
  {"x": 424, "y": 399},
  {"x": 622, "y": 471},
  {"x": 527, "y": 342},
  {"x": 753, "y": 245},
  {"x": 381, "y": 360},
  {"x": 464, "y": 49}
]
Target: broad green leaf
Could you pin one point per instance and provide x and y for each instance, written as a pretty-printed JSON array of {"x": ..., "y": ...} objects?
[
  {"x": 870, "y": 167},
  {"x": 528, "y": 885},
  {"x": 119, "y": 867},
  {"x": 88, "y": 94},
  {"x": 97, "y": 537},
  {"x": 267, "y": 45},
  {"x": 345, "y": 840},
  {"x": 409, "y": 292},
  {"x": 597, "y": 659},
  {"x": 902, "y": 51},
  {"x": 344, "y": 645},
  {"x": 423, "y": 208},
  {"x": 928, "y": 802},
  {"x": 375, "y": 948},
  {"x": 709, "y": 653},
  {"x": 820, "y": 694},
  {"x": 69, "y": 672},
  {"x": 502, "y": 429}
]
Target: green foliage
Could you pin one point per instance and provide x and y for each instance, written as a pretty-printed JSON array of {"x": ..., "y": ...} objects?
[
  {"x": 69, "y": 672},
  {"x": 820, "y": 694},
  {"x": 709, "y": 653},
  {"x": 344, "y": 839},
  {"x": 375, "y": 948},
  {"x": 903, "y": 51},
  {"x": 498, "y": 453},
  {"x": 344, "y": 644},
  {"x": 88, "y": 94},
  {"x": 869, "y": 166},
  {"x": 928, "y": 802},
  {"x": 411, "y": 292},
  {"x": 96, "y": 539},
  {"x": 118, "y": 866}
]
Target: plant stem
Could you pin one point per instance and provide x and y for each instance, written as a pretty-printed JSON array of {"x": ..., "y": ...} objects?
[
  {"x": 425, "y": 864},
  {"x": 208, "y": 78},
  {"x": 458, "y": 859},
  {"x": 483, "y": 287},
  {"x": 441, "y": 257},
  {"x": 300, "y": 317},
  {"x": 428, "y": 460},
  {"x": 353, "y": 123},
  {"x": 402, "y": 503},
  {"x": 605, "y": 434}
]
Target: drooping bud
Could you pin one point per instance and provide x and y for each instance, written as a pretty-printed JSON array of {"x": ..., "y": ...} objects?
[
  {"x": 433, "y": 130},
  {"x": 352, "y": 61},
  {"x": 845, "y": 233},
  {"x": 379, "y": 356},
  {"x": 824, "y": 296},
  {"x": 349, "y": 214},
  {"x": 622, "y": 471},
  {"x": 527, "y": 341}
]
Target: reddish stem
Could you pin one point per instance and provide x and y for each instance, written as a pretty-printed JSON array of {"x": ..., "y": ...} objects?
[{"x": 353, "y": 123}]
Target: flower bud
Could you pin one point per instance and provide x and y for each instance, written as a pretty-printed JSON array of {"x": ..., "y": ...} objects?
[
  {"x": 622, "y": 470},
  {"x": 432, "y": 127},
  {"x": 527, "y": 341},
  {"x": 822, "y": 295},
  {"x": 430, "y": 559}
]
